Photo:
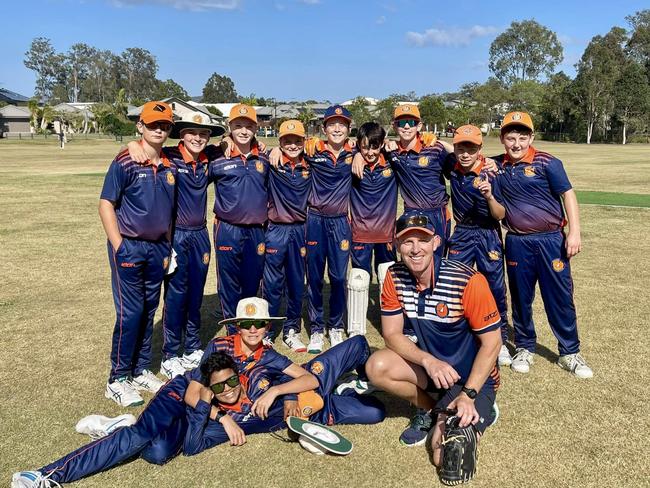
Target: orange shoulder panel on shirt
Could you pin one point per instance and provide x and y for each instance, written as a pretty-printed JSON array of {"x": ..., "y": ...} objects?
[
  {"x": 389, "y": 300},
  {"x": 479, "y": 305}
]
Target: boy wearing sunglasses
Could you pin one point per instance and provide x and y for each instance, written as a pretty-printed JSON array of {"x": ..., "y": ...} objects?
[{"x": 135, "y": 208}]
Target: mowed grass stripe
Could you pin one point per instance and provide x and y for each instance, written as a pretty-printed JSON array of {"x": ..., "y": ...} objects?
[{"x": 613, "y": 199}]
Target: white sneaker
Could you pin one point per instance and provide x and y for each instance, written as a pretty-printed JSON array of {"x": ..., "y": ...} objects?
[
  {"x": 412, "y": 337},
  {"x": 293, "y": 342},
  {"x": 316, "y": 343},
  {"x": 575, "y": 364},
  {"x": 172, "y": 367},
  {"x": 147, "y": 381},
  {"x": 267, "y": 341},
  {"x": 193, "y": 360},
  {"x": 32, "y": 479},
  {"x": 122, "y": 392},
  {"x": 98, "y": 426},
  {"x": 496, "y": 412},
  {"x": 504, "y": 356},
  {"x": 360, "y": 386},
  {"x": 336, "y": 336},
  {"x": 522, "y": 360}
]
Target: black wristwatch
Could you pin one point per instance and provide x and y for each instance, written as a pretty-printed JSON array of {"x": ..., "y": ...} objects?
[{"x": 470, "y": 392}]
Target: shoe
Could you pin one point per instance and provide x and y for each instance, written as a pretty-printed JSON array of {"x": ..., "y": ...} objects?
[
  {"x": 293, "y": 342},
  {"x": 147, "y": 381},
  {"x": 504, "y": 356},
  {"x": 122, "y": 392},
  {"x": 32, "y": 479},
  {"x": 360, "y": 386},
  {"x": 98, "y": 426},
  {"x": 336, "y": 336},
  {"x": 418, "y": 429},
  {"x": 495, "y": 413},
  {"x": 316, "y": 343},
  {"x": 192, "y": 360},
  {"x": 172, "y": 367},
  {"x": 268, "y": 341},
  {"x": 412, "y": 337},
  {"x": 575, "y": 364},
  {"x": 522, "y": 360}
]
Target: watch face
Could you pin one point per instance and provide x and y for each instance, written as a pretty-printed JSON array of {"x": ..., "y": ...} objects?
[{"x": 470, "y": 392}]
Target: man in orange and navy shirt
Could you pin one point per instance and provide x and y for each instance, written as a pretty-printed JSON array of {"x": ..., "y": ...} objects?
[
  {"x": 135, "y": 208},
  {"x": 536, "y": 192},
  {"x": 240, "y": 209},
  {"x": 284, "y": 267},
  {"x": 373, "y": 203},
  {"x": 451, "y": 309}
]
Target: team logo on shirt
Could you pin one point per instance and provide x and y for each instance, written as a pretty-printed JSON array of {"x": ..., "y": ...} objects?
[
  {"x": 165, "y": 262},
  {"x": 305, "y": 174},
  {"x": 263, "y": 384},
  {"x": 206, "y": 258},
  {"x": 348, "y": 160},
  {"x": 170, "y": 178},
  {"x": 494, "y": 255},
  {"x": 303, "y": 251},
  {"x": 442, "y": 310},
  {"x": 261, "y": 248},
  {"x": 423, "y": 161},
  {"x": 529, "y": 171},
  {"x": 317, "y": 367},
  {"x": 387, "y": 172},
  {"x": 250, "y": 310},
  {"x": 558, "y": 265},
  {"x": 476, "y": 182},
  {"x": 259, "y": 166},
  {"x": 345, "y": 245}
]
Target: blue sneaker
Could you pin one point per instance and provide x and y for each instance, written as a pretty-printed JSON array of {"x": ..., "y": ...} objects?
[{"x": 418, "y": 429}]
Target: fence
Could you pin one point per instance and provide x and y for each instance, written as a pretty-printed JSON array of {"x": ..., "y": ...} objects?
[{"x": 69, "y": 137}]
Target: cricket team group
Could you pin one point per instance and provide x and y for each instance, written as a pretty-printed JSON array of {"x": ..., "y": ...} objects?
[{"x": 280, "y": 216}]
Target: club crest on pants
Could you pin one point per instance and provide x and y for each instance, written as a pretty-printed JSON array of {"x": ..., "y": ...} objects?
[
  {"x": 317, "y": 367},
  {"x": 345, "y": 245},
  {"x": 303, "y": 251},
  {"x": 261, "y": 248},
  {"x": 558, "y": 265},
  {"x": 494, "y": 255},
  {"x": 206, "y": 258}
]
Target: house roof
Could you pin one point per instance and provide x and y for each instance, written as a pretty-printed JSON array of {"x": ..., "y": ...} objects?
[
  {"x": 9, "y": 96},
  {"x": 14, "y": 112}
]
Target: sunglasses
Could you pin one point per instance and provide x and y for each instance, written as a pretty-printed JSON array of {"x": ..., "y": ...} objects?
[
  {"x": 218, "y": 388},
  {"x": 413, "y": 221},
  {"x": 247, "y": 324},
  {"x": 401, "y": 123},
  {"x": 163, "y": 126}
]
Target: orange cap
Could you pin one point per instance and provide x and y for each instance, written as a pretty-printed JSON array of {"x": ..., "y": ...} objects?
[
  {"x": 156, "y": 112},
  {"x": 292, "y": 127},
  {"x": 407, "y": 110},
  {"x": 468, "y": 133},
  {"x": 517, "y": 118},
  {"x": 242, "y": 111}
]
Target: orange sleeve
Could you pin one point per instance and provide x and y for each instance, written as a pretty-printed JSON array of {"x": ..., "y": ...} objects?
[
  {"x": 390, "y": 304},
  {"x": 479, "y": 305}
]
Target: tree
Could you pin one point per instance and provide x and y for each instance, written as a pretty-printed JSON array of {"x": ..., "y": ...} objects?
[
  {"x": 631, "y": 95},
  {"x": 214, "y": 110},
  {"x": 78, "y": 62},
  {"x": 103, "y": 79},
  {"x": 219, "y": 89},
  {"x": 41, "y": 58},
  {"x": 524, "y": 51},
  {"x": 525, "y": 95},
  {"x": 432, "y": 112},
  {"x": 597, "y": 71},
  {"x": 556, "y": 104},
  {"x": 359, "y": 111},
  {"x": 639, "y": 43},
  {"x": 139, "y": 68},
  {"x": 249, "y": 100},
  {"x": 169, "y": 88},
  {"x": 487, "y": 99},
  {"x": 384, "y": 112},
  {"x": 306, "y": 115}
]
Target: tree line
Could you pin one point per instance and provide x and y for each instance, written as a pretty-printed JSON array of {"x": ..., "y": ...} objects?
[{"x": 608, "y": 100}]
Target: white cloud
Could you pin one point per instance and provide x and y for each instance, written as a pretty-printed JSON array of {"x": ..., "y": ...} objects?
[
  {"x": 195, "y": 5},
  {"x": 454, "y": 36},
  {"x": 381, "y": 19}
]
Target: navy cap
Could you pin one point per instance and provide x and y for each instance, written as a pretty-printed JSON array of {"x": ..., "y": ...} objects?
[
  {"x": 337, "y": 111},
  {"x": 414, "y": 220}
]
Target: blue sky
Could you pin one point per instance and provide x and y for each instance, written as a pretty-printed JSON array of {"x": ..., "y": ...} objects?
[{"x": 301, "y": 49}]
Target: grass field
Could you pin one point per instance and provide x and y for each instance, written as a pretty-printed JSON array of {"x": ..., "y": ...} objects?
[{"x": 56, "y": 315}]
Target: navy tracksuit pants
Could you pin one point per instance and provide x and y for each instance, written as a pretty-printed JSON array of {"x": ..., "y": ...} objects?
[
  {"x": 362, "y": 255},
  {"x": 240, "y": 264},
  {"x": 541, "y": 257},
  {"x": 284, "y": 269},
  {"x": 157, "y": 436},
  {"x": 349, "y": 408},
  {"x": 328, "y": 239},
  {"x": 483, "y": 247},
  {"x": 137, "y": 271},
  {"x": 184, "y": 291},
  {"x": 440, "y": 219}
]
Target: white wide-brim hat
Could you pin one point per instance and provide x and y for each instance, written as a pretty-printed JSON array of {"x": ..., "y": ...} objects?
[
  {"x": 196, "y": 120},
  {"x": 252, "y": 308}
]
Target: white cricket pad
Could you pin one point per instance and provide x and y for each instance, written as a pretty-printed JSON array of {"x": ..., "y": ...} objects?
[
  {"x": 358, "y": 285},
  {"x": 382, "y": 269}
]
